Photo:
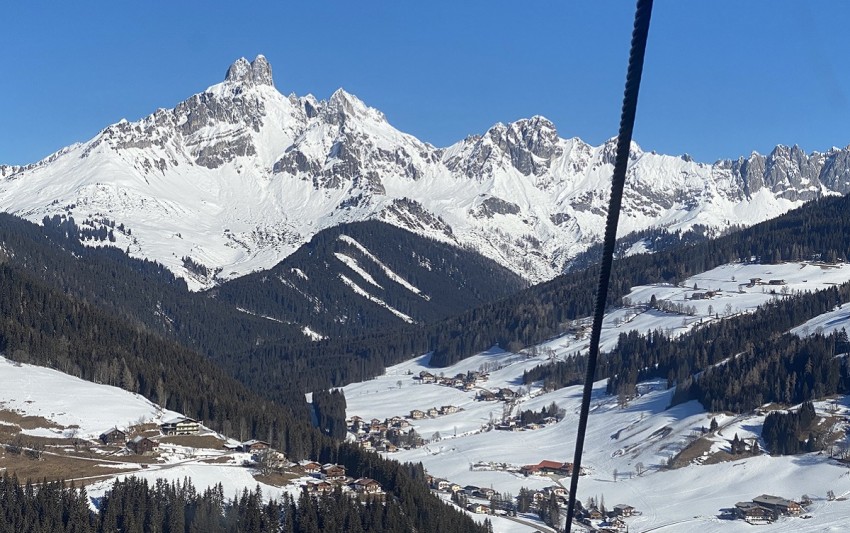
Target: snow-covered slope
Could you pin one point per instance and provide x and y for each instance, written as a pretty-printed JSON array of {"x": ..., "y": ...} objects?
[
  {"x": 621, "y": 441},
  {"x": 237, "y": 177}
]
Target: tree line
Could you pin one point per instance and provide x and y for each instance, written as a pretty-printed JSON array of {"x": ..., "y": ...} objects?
[{"x": 133, "y": 505}]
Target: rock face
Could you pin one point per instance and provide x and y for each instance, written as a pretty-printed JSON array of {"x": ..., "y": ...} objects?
[{"x": 238, "y": 176}]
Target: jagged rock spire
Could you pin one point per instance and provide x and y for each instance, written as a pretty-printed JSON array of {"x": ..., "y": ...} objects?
[{"x": 257, "y": 72}]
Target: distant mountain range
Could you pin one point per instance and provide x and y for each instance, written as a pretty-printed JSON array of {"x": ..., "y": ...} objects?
[{"x": 238, "y": 177}]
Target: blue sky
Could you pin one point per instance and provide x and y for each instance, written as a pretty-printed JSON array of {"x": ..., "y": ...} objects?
[{"x": 722, "y": 78}]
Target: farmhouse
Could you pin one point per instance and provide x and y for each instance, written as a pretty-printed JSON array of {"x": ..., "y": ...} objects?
[
  {"x": 113, "y": 436},
  {"x": 310, "y": 467},
  {"x": 448, "y": 409},
  {"x": 417, "y": 414},
  {"x": 180, "y": 425},
  {"x": 366, "y": 486},
  {"x": 142, "y": 445},
  {"x": 754, "y": 513},
  {"x": 321, "y": 487},
  {"x": 777, "y": 504},
  {"x": 250, "y": 446},
  {"x": 332, "y": 472},
  {"x": 624, "y": 510},
  {"x": 548, "y": 467}
]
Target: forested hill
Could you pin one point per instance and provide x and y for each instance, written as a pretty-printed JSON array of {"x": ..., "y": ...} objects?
[
  {"x": 139, "y": 291},
  {"x": 818, "y": 230},
  {"x": 365, "y": 276},
  {"x": 43, "y": 326}
]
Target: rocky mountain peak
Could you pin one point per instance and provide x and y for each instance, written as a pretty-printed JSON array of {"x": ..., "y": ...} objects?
[{"x": 257, "y": 72}]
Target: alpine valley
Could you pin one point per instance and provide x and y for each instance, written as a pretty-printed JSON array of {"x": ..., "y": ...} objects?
[{"x": 362, "y": 332}]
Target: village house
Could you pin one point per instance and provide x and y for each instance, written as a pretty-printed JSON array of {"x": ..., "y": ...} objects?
[
  {"x": 776, "y": 282},
  {"x": 333, "y": 472},
  {"x": 142, "y": 445},
  {"x": 478, "y": 508},
  {"x": 484, "y": 492},
  {"x": 754, "y": 513},
  {"x": 416, "y": 414},
  {"x": 448, "y": 409},
  {"x": 427, "y": 377},
  {"x": 557, "y": 490},
  {"x": 252, "y": 446},
  {"x": 778, "y": 505},
  {"x": 548, "y": 467},
  {"x": 507, "y": 394},
  {"x": 321, "y": 487},
  {"x": 485, "y": 395},
  {"x": 180, "y": 425},
  {"x": 310, "y": 467},
  {"x": 433, "y": 412},
  {"x": 365, "y": 485},
  {"x": 622, "y": 509},
  {"x": 441, "y": 484},
  {"x": 113, "y": 436}
]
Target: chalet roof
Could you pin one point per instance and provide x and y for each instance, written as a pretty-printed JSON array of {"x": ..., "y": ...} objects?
[
  {"x": 179, "y": 420},
  {"x": 551, "y": 464},
  {"x": 111, "y": 431},
  {"x": 253, "y": 442},
  {"x": 767, "y": 499}
]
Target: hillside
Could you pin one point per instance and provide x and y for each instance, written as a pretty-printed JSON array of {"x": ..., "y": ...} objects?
[
  {"x": 642, "y": 451},
  {"x": 361, "y": 277}
]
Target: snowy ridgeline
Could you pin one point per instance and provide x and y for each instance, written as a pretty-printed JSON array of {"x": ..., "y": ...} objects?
[
  {"x": 179, "y": 179},
  {"x": 627, "y": 449}
]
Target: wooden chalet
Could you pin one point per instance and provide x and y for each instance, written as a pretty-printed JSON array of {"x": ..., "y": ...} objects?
[
  {"x": 547, "y": 467},
  {"x": 779, "y": 505},
  {"x": 310, "y": 467},
  {"x": 417, "y": 414},
  {"x": 333, "y": 472},
  {"x": 321, "y": 487},
  {"x": 365, "y": 485},
  {"x": 253, "y": 446},
  {"x": 622, "y": 509},
  {"x": 448, "y": 409},
  {"x": 485, "y": 395},
  {"x": 433, "y": 412},
  {"x": 180, "y": 425},
  {"x": 142, "y": 445},
  {"x": 113, "y": 436},
  {"x": 478, "y": 508},
  {"x": 754, "y": 513}
]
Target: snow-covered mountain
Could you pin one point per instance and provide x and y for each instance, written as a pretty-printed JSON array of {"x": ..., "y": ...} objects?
[{"x": 238, "y": 177}]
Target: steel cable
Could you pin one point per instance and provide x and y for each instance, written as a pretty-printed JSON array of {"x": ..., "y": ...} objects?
[{"x": 643, "y": 14}]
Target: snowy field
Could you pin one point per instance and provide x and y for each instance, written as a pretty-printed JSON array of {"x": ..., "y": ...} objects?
[
  {"x": 71, "y": 402},
  {"x": 646, "y": 431}
]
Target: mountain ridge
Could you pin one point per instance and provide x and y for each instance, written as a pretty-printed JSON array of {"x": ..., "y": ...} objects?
[{"x": 239, "y": 176}]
